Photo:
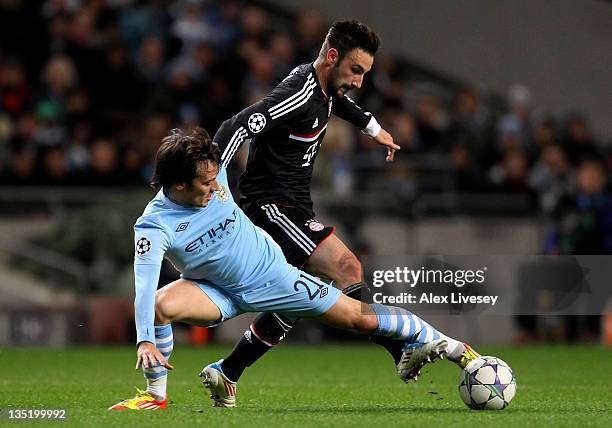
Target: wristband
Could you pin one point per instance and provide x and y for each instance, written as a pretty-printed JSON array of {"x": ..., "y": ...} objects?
[{"x": 373, "y": 128}]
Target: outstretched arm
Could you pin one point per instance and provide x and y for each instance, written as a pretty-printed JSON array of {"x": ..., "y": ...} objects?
[
  {"x": 345, "y": 108},
  {"x": 150, "y": 245},
  {"x": 384, "y": 138}
]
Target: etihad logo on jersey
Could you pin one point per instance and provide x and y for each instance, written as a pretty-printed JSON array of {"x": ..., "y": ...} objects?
[
  {"x": 222, "y": 193},
  {"x": 212, "y": 235}
]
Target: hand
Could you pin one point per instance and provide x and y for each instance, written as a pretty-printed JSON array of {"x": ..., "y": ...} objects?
[
  {"x": 384, "y": 138},
  {"x": 149, "y": 356}
]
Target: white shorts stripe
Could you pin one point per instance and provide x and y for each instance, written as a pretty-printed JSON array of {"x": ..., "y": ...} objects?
[
  {"x": 280, "y": 222},
  {"x": 304, "y": 89},
  {"x": 293, "y": 237},
  {"x": 297, "y": 229}
]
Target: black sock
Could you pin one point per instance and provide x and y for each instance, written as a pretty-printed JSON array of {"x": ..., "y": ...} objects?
[
  {"x": 360, "y": 291},
  {"x": 393, "y": 346},
  {"x": 266, "y": 331}
]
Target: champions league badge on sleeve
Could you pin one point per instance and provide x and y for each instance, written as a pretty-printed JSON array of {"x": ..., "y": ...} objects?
[
  {"x": 256, "y": 122},
  {"x": 143, "y": 246}
]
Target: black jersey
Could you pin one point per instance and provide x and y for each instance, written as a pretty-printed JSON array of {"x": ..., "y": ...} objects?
[{"x": 285, "y": 129}]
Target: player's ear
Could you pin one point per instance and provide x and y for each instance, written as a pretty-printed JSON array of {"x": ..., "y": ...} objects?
[{"x": 332, "y": 57}]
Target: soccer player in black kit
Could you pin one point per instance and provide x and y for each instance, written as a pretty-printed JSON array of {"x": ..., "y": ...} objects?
[{"x": 285, "y": 130}]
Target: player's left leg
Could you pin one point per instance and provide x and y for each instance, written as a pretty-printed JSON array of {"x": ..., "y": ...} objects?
[
  {"x": 330, "y": 259},
  {"x": 154, "y": 397},
  {"x": 333, "y": 259},
  {"x": 157, "y": 376},
  {"x": 422, "y": 342},
  {"x": 182, "y": 300},
  {"x": 298, "y": 294}
]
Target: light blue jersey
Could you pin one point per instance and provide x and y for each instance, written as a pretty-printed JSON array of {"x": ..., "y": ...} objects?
[{"x": 220, "y": 249}]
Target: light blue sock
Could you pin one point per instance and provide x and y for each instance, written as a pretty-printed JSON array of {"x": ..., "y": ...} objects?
[
  {"x": 157, "y": 377},
  {"x": 400, "y": 324}
]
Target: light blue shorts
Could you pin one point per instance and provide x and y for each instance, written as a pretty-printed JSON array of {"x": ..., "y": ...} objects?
[{"x": 296, "y": 295}]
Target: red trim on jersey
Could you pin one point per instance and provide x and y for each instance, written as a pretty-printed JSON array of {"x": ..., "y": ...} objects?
[
  {"x": 318, "y": 245},
  {"x": 314, "y": 134}
]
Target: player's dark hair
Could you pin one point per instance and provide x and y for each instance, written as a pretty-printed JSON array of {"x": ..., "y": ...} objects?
[
  {"x": 180, "y": 155},
  {"x": 345, "y": 36}
]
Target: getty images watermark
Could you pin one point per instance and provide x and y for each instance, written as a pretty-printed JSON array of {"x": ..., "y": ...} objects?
[
  {"x": 412, "y": 278},
  {"x": 492, "y": 285}
]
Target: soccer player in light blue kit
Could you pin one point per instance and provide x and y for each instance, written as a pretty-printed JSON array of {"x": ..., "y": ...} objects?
[{"x": 228, "y": 267}]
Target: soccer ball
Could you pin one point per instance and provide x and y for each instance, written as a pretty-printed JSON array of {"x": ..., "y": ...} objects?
[{"x": 487, "y": 383}]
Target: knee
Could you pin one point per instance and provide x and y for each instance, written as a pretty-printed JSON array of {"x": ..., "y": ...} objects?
[
  {"x": 165, "y": 309},
  {"x": 350, "y": 268}
]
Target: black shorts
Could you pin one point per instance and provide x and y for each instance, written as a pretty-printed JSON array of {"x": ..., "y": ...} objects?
[{"x": 293, "y": 228}]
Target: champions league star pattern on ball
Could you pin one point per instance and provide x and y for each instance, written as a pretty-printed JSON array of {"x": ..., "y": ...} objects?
[{"x": 487, "y": 383}]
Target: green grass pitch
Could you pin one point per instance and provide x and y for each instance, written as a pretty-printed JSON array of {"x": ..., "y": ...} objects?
[{"x": 340, "y": 385}]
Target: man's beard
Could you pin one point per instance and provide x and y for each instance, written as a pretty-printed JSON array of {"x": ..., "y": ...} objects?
[{"x": 337, "y": 89}]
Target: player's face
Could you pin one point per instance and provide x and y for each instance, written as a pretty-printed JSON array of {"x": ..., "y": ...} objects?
[
  {"x": 200, "y": 191},
  {"x": 349, "y": 71}
]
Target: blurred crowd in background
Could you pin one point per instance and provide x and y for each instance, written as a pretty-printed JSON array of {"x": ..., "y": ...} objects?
[{"x": 88, "y": 88}]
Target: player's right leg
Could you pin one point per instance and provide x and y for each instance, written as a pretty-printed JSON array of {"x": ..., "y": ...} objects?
[{"x": 186, "y": 301}]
